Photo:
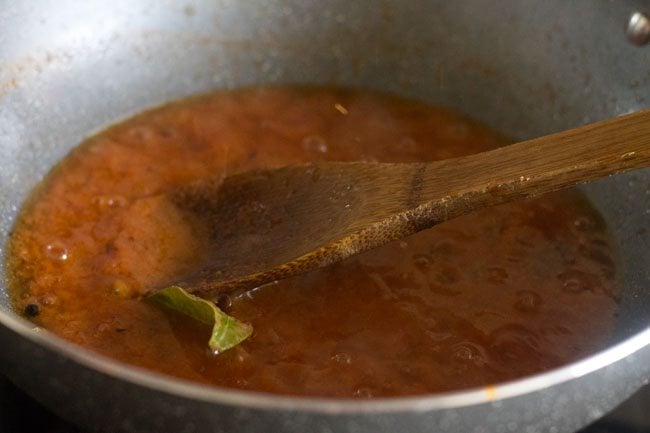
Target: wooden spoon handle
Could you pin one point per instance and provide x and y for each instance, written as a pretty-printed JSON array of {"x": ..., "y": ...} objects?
[
  {"x": 313, "y": 215},
  {"x": 541, "y": 165}
]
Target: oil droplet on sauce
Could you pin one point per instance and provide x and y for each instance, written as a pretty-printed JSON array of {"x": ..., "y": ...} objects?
[{"x": 57, "y": 252}]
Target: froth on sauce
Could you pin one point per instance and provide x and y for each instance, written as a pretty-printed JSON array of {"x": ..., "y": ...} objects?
[{"x": 500, "y": 294}]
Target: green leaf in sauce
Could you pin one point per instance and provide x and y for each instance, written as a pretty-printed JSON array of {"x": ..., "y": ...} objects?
[{"x": 227, "y": 332}]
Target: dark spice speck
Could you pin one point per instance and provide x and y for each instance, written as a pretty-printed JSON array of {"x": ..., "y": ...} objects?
[
  {"x": 224, "y": 303},
  {"x": 32, "y": 310}
]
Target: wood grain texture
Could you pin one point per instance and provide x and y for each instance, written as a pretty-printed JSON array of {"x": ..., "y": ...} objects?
[{"x": 272, "y": 224}]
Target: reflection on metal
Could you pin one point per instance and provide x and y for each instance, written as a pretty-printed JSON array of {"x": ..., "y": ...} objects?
[{"x": 638, "y": 29}]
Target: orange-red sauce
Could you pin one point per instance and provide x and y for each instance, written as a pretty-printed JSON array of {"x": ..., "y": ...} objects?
[{"x": 492, "y": 296}]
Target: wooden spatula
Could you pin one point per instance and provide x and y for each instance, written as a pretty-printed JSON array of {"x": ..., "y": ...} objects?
[{"x": 275, "y": 223}]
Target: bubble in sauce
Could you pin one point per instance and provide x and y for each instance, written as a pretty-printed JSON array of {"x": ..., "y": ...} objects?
[
  {"x": 513, "y": 342},
  {"x": 577, "y": 282},
  {"x": 144, "y": 133},
  {"x": 102, "y": 327},
  {"x": 528, "y": 301},
  {"x": 314, "y": 143},
  {"x": 574, "y": 285},
  {"x": 439, "y": 335},
  {"x": 242, "y": 383},
  {"x": 497, "y": 275},
  {"x": 122, "y": 290},
  {"x": 363, "y": 392},
  {"x": 49, "y": 299},
  {"x": 342, "y": 358},
  {"x": 463, "y": 353},
  {"x": 56, "y": 251},
  {"x": 422, "y": 260},
  {"x": 110, "y": 201},
  {"x": 242, "y": 356},
  {"x": 469, "y": 352},
  {"x": 447, "y": 275},
  {"x": 583, "y": 223}
]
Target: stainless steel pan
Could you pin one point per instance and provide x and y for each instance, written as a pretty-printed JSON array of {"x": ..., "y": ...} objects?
[{"x": 525, "y": 67}]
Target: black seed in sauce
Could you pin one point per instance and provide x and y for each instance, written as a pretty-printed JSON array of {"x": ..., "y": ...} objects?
[
  {"x": 224, "y": 302},
  {"x": 32, "y": 310}
]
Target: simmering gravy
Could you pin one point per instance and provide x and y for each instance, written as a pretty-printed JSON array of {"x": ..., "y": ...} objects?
[{"x": 492, "y": 296}]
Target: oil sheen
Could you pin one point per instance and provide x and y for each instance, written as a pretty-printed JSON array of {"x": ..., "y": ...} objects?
[{"x": 493, "y": 296}]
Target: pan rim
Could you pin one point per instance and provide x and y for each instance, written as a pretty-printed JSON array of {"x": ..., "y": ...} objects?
[{"x": 332, "y": 406}]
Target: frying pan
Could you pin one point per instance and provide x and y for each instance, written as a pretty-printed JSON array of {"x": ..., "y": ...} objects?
[{"x": 524, "y": 67}]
